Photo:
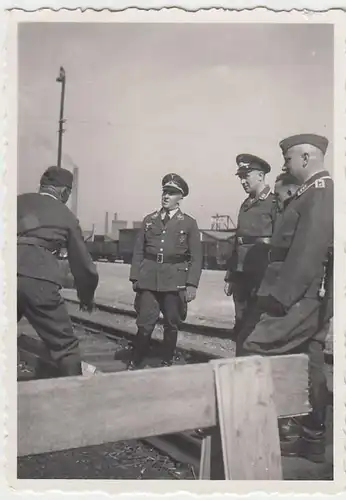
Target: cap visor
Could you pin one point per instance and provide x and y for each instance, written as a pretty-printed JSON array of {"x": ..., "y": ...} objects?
[{"x": 173, "y": 188}]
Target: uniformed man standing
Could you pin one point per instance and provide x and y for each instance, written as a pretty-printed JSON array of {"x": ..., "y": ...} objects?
[
  {"x": 44, "y": 226},
  {"x": 166, "y": 269},
  {"x": 255, "y": 226},
  {"x": 295, "y": 297}
]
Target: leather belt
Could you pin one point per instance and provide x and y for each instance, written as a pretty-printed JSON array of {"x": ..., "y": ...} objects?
[
  {"x": 277, "y": 254},
  {"x": 38, "y": 242},
  {"x": 161, "y": 259},
  {"x": 248, "y": 240}
]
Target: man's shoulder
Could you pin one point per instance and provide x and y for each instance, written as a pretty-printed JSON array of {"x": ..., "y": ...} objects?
[
  {"x": 188, "y": 218},
  {"x": 27, "y": 197},
  {"x": 316, "y": 188},
  {"x": 152, "y": 215}
]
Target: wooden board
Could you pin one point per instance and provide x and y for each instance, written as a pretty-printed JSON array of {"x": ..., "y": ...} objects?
[
  {"x": 57, "y": 414},
  {"x": 248, "y": 419},
  {"x": 291, "y": 389},
  {"x": 205, "y": 462},
  {"x": 71, "y": 412}
]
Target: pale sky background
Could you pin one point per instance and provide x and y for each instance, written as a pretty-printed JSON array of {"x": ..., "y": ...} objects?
[{"x": 143, "y": 100}]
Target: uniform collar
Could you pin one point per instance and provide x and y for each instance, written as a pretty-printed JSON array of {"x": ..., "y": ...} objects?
[
  {"x": 48, "y": 194},
  {"x": 263, "y": 195},
  {"x": 171, "y": 213},
  {"x": 316, "y": 180}
]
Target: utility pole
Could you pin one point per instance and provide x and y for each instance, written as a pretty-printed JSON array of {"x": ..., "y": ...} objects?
[{"x": 61, "y": 79}]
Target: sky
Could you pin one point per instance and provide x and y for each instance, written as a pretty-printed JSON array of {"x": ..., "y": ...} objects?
[{"x": 143, "y": 100}]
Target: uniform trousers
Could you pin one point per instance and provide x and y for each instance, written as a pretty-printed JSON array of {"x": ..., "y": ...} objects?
[
  {"x": 302, "y": 329},
  {"x": 41, "y": 303},
  {"x": 149, "y": 305},
  {"x": 243, "y": 292}
]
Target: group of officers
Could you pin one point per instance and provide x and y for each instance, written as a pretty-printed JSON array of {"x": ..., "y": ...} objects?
[{"x": 279, "y": 274}]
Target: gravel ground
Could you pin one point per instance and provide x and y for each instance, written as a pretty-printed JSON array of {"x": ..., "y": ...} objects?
[{"x": 121, "y": 460}]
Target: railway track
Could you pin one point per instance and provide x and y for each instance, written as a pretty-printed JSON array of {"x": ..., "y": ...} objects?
[{"x": 105, "y": 341}]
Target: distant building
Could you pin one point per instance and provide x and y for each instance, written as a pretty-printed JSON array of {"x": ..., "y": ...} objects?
[{"x": 116, "y": 226}]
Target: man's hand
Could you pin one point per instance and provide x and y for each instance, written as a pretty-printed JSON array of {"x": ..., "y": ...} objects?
[
  {"x": 228, "y": 289},
  {"x": 135, "y": 286},
  {"x": 89, "y": 307},
  {"x": 190, "y": 293}
]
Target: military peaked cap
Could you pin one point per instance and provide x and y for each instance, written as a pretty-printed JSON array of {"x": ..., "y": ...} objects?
[
  {"x": 318, "y": 141},
  {"x": 246, "y": 163},
  {"x": 174, "y": 181},
  {"x": 57, "y": 176}
]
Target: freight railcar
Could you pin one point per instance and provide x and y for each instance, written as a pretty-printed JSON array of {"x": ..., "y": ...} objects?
[
  {"x": 127, "y": 238},
  {"x": 217, "y": 246},
  {"x": 103, "y": 248}
]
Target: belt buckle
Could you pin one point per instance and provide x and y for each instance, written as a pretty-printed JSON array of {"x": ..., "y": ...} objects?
[{"x": 159, "y": 258}]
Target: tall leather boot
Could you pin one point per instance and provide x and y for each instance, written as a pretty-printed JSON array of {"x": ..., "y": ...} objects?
[
  {"x": 304, "y": 437},
  {"x": 170, "y": 337},
  {"x": 313, "y": 440},
  {"x": 140, "y": 349}
]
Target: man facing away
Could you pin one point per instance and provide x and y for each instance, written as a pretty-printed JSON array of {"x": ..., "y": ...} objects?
[
  {"x": 165, "y": 271},
  {"x": 44, "y": 226},
  {"x": 295, "y": 300},
  {"x": 256, "y": 218}
]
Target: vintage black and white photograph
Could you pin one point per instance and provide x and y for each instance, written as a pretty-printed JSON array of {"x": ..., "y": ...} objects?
[{"x": 175, "y": 249}]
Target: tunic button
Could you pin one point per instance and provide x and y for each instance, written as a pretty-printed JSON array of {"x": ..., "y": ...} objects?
[
  {"x": 162, "y": 241},
  {"x": 163, "y": 232},
  {"x": 161, "y": 249}
]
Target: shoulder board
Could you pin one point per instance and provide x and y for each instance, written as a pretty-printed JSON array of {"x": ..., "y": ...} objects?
[
  {"x": 318, "y": 183},
  {"x": 188, "y": 217},
  {"x": 264, "y": 196},
  {"x": 154, "y": 215}
]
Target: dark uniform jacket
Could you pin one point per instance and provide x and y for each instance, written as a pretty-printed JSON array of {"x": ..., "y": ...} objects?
[
  {"x": 301, "y": 242},
  {"x": 176, "y": 249},
  {"x": 44, "y": 226},
  {"x": 255, "y": 227}
]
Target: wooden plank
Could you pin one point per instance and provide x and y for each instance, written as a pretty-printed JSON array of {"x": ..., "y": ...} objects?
[
  {"x": 290, "y": 381},
  {"x": 248, "y": 419},
  {"x": 57, "y": 414},
  {"x": 291, "y": 389},
  {"x": 211, "y": 460},
  {"x": 204, "y": 467}
]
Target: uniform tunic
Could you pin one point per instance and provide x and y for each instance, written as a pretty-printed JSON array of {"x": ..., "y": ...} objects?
[
  {"x": 250, "y": 254},
  {"x": 44, "y": 226},
  {"x": 179, "y": 239}
]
